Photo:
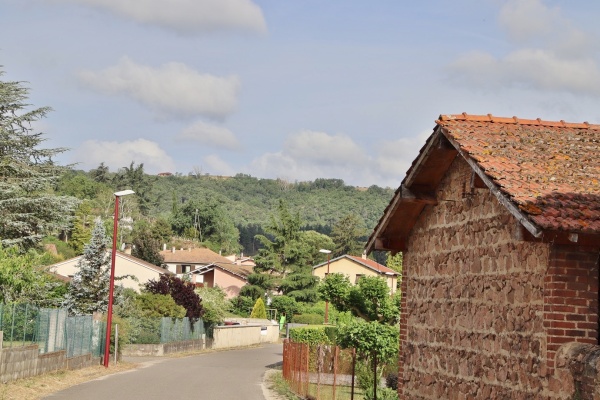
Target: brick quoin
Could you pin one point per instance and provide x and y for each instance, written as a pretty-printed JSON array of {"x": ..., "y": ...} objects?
[{"x": 570, "y": 298}]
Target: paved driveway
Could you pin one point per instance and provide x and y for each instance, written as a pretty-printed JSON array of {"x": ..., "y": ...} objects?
[{"x": 223, "y": 375}]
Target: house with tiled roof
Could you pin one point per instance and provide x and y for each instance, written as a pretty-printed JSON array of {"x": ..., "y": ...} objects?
[
  {"x": 498, "y": 220},
  {"x": 356, "y": 268},
  {"x": 206, "y": 268},
  {"x": 135, "y": 272}
]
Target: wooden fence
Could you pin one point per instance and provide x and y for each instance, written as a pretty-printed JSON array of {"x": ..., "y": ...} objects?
[{"x": 321, "y": 372}]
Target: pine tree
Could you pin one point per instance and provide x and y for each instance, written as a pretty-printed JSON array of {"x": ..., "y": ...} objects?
[
  {"x": 347, "y": 235},
  {"x": 88, "y": 291},
  {"x": 28, "y": 209}
]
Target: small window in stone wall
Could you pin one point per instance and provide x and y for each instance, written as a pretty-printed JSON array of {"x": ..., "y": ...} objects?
[{"x": 358, "y": 278}]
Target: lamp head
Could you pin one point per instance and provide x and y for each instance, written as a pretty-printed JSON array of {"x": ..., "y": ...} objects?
[
  {"x": 324, "y": 251},
  {"x": 124, "y": 193}
]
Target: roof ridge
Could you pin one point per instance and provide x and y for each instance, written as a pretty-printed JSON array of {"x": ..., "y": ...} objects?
[{"x": 514, "y": 120}]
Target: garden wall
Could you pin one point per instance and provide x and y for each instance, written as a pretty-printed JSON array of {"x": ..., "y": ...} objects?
[
  {"x": 26, "y": 361},
  {"x": 249, "y": 333}
]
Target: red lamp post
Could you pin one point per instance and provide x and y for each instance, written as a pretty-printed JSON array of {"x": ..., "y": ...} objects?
[
  {"x": 326, "y": 302},
  {"x": 111, "y": 289}
]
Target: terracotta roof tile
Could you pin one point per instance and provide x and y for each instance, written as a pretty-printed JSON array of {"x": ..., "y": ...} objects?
[
  {"x": 194, "y": 256},
  {"x": 550, "y": 169}
]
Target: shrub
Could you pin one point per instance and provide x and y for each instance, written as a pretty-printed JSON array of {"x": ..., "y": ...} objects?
[
  {"x": 259, "y": 310},
  {"x": 311, "y": 336},
  {"x": 310, "y": 319}
]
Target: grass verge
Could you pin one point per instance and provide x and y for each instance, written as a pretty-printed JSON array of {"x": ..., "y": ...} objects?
[{"x": 40, "y": 386}]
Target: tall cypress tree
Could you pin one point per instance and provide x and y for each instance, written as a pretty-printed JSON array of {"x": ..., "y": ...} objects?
[
  {"x": 88, "y": 291},
  {"x": 28, "y": 209}
]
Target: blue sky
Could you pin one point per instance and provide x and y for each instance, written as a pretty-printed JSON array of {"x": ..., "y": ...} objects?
[{"x": 291, "y": 89}]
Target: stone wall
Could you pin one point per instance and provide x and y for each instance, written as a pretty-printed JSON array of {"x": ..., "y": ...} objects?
[{"x": 473, "y": 308}]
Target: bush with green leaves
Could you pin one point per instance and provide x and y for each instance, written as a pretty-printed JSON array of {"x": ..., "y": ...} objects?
[
  {"x": 310, "y": 319},
  {"x": 215, "y": 303},
  {"x": 376, "y": 345},
  {"x": 309, "y": 335}
]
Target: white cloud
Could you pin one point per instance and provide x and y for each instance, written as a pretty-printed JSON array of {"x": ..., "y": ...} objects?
[
  {"x": 310, "y": 155},
  {"x": 120, "y": 154},
  {"x": 322, "y": 148},
  {"x": 557, "y": 57},
  {"x": 530, "y": 68},
  {"x": 209, "y": 135},
  {"x": 215, "y": 165},
  {"x": 395, "y": 157},
  {"x": 527, "y": 19},
  {"x": 173, "y": 90},
  {"x": 187, "y": 16}
]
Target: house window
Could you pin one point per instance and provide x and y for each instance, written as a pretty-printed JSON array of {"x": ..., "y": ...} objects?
[
  {"x": 358, "y": 278},
  {"x": 183, "y": 269}
]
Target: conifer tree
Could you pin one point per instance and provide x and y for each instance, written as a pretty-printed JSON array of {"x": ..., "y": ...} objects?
[
  {"x": 259, "y": 310},
  {"x": 88, "y": 291},
  {"x": 28, "y": 208}
]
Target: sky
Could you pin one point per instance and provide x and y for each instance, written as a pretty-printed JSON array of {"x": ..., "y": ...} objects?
[{"x": 291, "y": 89}]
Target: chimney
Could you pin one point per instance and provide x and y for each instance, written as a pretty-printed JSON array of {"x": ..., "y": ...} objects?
[
  {"x": 173, "y": 249},
  {"x": 364, "y": 255},
  {"x": 127, "y": 249},
  {"x": 164, "y": 246}
]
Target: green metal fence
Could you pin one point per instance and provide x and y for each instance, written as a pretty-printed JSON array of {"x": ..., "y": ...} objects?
[
  {"x": 167, "y": 330},
  {"x": 51, "y": 329}
]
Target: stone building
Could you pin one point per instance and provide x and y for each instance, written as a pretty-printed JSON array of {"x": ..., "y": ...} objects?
[{"x": 499, "y": 223}]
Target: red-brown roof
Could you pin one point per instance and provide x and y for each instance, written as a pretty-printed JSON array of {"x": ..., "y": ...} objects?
[
  {"x": 367, "y": 262},
  {"x": 547, "y": 173},
  {"x": 550, "y": 170},
  {"x": 193, "y": 256}
]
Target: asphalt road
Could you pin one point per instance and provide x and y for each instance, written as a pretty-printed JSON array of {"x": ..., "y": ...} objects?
[{"x": 223, "y": 375}]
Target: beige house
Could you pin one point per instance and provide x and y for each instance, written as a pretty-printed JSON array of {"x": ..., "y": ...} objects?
[
  {"x": 138, "y": 271},
  {"x": 204, "y": 267},
  {"x": 355, "y": 268}
]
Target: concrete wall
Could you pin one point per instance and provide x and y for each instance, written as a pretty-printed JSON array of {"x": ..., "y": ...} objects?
[
  {"x": 26, "y": 361},
  {"x": 250, "y": 332},
  {"x": 244, "y": 335}
]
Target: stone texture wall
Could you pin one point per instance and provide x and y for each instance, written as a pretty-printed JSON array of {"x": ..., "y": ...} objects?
[{"x": 473, "y": 314}]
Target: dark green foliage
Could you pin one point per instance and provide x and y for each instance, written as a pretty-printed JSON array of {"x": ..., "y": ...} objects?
[
  {"x": 134, "y": 178},
  {"x": 288, "y": 254},
  {"x": 207, "y": 221},
  {"x": 375, "y": 343},
  {"x": 22, "y": 279},
  {"x": 147, "y": 243},
  {"x": 369, "y": 299},
  {"x": 285, "y": 305},
  {"x": 347, "y": 234},
  {"x": 28, "y": 208},
  {"x": 310, "y": 336},
  {"x": 311, "y": 319},
  {"x": 242, "y": 305},
  {"x": 100, "y": 174},
  {"x": 391, "y": 380},
  {"x": 182, "y": 292}
]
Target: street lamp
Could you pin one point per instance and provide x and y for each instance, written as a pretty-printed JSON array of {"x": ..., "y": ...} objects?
[
  {"x": 326, "y": 302},
  {"x": 112, "y": 274}
]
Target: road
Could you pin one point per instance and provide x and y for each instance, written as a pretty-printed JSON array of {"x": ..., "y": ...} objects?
[{"x": 223, "y": 375}]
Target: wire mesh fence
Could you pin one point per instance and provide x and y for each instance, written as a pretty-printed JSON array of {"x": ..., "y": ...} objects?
[
  {"x": 322, "y": 372},
  {"x": 51, "y": 329},
  {"x": 167, "y": 330}
]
